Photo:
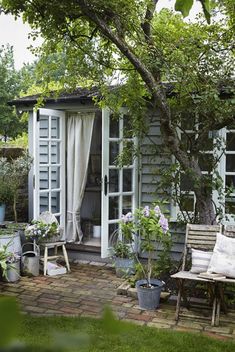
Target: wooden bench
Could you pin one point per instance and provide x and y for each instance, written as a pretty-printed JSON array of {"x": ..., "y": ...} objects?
[{"x": 202, "y": 237}]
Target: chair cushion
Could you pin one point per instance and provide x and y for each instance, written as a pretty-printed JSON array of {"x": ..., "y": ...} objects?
[
  {"x": 200, "y": 261},
  {"x": 223, "y": 258}
]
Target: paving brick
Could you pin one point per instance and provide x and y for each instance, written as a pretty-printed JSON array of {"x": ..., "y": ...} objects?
[
  {"x": 86, "y": 290},
  {"x": 159, "y": 325},
  {"x": 218, "y": 329}
]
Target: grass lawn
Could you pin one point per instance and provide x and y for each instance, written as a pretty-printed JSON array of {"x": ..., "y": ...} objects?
[{"x": 85, "y": 334}]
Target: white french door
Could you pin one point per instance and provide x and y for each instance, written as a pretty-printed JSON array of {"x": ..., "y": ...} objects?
[
  {"x": 119, "y": 185},
  {"x": 49, "y": 163}
]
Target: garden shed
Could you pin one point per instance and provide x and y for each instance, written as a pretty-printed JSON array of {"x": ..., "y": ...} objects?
[{"x": 74, "y": 145}]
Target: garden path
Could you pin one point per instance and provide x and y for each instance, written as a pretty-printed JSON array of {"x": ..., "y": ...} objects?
[{"x": 89, "y": 287}]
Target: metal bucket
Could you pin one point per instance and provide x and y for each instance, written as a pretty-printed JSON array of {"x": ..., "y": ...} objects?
[
  {"x": 30, "y": 260},
  {"x": 13, "y": 241},
  {"x": 13, "y": 272}
]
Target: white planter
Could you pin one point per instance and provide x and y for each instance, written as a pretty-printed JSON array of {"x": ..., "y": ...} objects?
[
  {"x": 96, "y": 231},
  {"x": 13, "y": 241}
]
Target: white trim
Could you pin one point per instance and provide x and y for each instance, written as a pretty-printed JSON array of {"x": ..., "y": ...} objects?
[{"x": 105, "y": 251}]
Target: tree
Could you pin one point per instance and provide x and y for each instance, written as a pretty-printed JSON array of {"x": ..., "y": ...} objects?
[
  {"x": 131, "y": 42},
  {"x": 10, "y": 123}
]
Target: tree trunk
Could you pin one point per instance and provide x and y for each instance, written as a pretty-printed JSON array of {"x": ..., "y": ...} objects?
[{"x": 205, "y": 208}]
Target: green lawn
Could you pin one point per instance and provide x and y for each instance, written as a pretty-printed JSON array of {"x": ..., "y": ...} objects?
[{"x": 108, "y": 335}]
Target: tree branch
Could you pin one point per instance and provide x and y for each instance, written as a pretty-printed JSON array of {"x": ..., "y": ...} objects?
[{"x": 146, "y": 25}]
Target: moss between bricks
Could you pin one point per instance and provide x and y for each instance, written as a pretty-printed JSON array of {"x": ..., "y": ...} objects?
[{"x": 125, "y": 289}]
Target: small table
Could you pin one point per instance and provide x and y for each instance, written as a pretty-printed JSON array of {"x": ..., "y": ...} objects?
[{"x": 46, "y": 257}]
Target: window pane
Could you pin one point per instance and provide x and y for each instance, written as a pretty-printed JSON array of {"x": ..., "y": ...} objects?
[
  {"x": 55, "y": 127},
  {"x": 114, "y": 126},
  {"x": 127, "y": 127},
  {"x": 127, "y": 180},
  {"x": 44, "y": 202},
  {"x": 185, "y": 183},
  {"x": 230, "y": 145},
  {"x": 230, "y": 205},
  {"x": 113, "y": 180},
  {"x": 128, "y": 157},
  {"x": 230, "y": 181},
  {"x": 44, "y": 127},
  {"x": 230, "y": 163},
  {"x": 44, "y": 177},
  {"x": 113, "y": 234},
  {"x": 43, "y": 152},
  {"x": 126, "y": 204},
  {"x": 55, "y": 152},
  {"x": 55, "y": 202},
  {"x": 113, "y": 152},
  {"x": 55, "y": 177},
  {"x": 187, "y": 140},
  {"x": 206, "y": 162},
  {"x": 113, "y": 208},
  {"x": 187, "y": 202}
]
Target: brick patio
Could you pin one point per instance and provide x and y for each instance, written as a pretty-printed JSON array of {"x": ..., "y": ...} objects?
[{"x": 86, "y": 290}]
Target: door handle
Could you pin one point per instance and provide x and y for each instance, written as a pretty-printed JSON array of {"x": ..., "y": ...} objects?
[{"x": 105, "y": 185}]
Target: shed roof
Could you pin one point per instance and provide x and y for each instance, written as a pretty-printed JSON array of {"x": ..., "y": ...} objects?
[{"x": 78, "y": 94}]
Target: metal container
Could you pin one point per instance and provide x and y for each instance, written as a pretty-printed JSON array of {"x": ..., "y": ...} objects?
[
  {"x": 13, "y": 271},
  {"x": 149, "y": 298},
  {"x": 30, "y": 260},
  {"x": 13, "y": 241}
]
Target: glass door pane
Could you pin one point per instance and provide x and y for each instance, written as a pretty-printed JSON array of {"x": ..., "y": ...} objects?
[
  {"x": 49, "y": 169},
  {"x": 119, "y": 183}
]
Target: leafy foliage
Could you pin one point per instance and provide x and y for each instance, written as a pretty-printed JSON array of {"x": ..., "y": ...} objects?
[{"x": 131, "y": 44}]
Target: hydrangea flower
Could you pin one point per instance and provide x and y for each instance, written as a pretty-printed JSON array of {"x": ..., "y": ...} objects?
[
  {"x": 146, "y": 211},
  {"x": 163, "y": 223}
]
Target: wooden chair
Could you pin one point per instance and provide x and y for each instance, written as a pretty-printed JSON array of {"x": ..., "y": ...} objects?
[
  {"x": 55, "y": 243},
  {"x": 202, "y": 237}
]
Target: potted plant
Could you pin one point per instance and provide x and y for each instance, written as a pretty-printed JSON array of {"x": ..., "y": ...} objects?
[
  {"x": 123, "y": 251},
  {"x": 123, "y": 259},
  {"x": 152, "y": 229},
  {"x": 10, "y": 264},
  {"x": 41, "y": 231}
]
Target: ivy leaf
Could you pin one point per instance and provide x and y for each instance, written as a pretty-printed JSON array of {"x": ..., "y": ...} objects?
[{"x": 184, "y": 6}]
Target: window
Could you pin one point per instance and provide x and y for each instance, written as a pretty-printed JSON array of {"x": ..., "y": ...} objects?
[{"x": 225, "y": 168}]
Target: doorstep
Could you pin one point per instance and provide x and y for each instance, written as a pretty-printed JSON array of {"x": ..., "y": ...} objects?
[{"x": 125, "y": 289}]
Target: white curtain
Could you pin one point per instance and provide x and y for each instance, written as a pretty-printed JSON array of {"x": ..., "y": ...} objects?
[{"x": 79, "y": 133}]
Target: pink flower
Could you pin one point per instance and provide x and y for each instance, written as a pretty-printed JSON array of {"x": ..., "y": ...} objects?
[
  {"x": 146, "y": 211},
  {"x": 163, "y": 223},
  {"x": 157, "y": 210}
]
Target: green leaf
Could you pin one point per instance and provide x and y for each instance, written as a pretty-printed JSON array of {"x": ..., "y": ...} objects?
[
  {"x": 184, "y": 6},
  {"x": 206, "y": 9}
]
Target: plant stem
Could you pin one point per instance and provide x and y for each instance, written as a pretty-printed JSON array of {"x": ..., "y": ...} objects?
[{"x": 14, "y": 208}]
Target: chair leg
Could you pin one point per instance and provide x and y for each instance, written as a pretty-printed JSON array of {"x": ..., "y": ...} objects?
[
  {"x": 177, "y": 311},
  {"x": 66, "y": 257},
  {"x": 45, "y": 260}
]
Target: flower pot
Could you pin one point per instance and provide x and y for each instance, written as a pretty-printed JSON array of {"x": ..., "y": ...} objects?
[
  {"x": 13, "y": 241},
  {"x": 2, "y": 212},
  {"x": 124, "y": 266},
  {"x": 13, "y": 272},
  {"x": 149, "y": 298}
]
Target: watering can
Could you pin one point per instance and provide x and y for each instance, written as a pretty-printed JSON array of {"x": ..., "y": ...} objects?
[{"x": 30, "y": 260}]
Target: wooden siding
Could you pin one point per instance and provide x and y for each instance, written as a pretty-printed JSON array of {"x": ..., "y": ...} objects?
[{"x": 149, "y": 165}]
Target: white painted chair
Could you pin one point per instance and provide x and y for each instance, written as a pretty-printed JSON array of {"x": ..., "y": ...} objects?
[{"x": 54, "y": 243}]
